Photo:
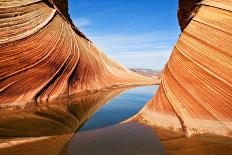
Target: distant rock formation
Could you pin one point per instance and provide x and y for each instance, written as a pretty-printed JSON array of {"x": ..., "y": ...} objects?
[
  {"x": 195, "y": 94},
  {"x": 146, "y": 72},
  {"x": 43, "y": 55}
]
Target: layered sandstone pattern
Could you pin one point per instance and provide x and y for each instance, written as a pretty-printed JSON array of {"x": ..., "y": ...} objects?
[
  {"x": 196, "y": 88},
  {"x": 43, "y": 55}
]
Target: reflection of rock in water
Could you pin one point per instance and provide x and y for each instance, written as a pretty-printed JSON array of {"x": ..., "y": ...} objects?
[
  {"x": 196, "y": 89},
  {"x": 47, "y": 128},
  {"x": 176, "y": 143}
]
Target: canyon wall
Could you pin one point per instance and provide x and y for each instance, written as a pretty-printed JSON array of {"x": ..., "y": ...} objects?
[
  {"x": 43, "y": 55},
  {"x": 195, "y": 94}
]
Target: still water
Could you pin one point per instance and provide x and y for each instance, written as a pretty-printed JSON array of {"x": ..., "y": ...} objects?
[
  {"x": 121, "y": 107},
  {"x": 91, "y": 125}
]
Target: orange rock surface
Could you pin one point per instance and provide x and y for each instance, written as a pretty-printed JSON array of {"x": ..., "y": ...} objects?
[
  {"x": 196, "y": 88},
  {"x": 43, "y": 55}
]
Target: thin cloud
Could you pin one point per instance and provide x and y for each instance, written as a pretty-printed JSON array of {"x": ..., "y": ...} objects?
[
  {"x": 144, "y": 59},
  {"x": 148, "y": 50},
  {"x": 144, "y": 54},
  {"x": 145, "y": 42},
  {"x": 82, "y": 22},
  {"x": 132, "y": 33}
]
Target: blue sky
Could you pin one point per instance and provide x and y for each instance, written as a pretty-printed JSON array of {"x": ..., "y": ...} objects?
[{"x": 136, "y": 33}]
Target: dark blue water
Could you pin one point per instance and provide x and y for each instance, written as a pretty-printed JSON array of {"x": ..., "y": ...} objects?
[{"x": 120, "y": 108}]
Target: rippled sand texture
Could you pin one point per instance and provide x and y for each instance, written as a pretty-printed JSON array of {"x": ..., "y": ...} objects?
[
  {"x": 43, "y": 55},
  {"x": 196, "y": 89},
  {"x": 47, "y": 128}
]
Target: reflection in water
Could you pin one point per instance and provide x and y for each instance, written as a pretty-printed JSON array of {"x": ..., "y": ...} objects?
[
  {"x": 176, "y": 143},
  {"x": 49, "y": 128},
  {"x": 122, "y": 107}
]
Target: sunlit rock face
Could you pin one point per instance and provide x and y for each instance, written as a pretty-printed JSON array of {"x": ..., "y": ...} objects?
[
  {"x": 43, "y": 55},
  {"x": 196, "y": 89}
]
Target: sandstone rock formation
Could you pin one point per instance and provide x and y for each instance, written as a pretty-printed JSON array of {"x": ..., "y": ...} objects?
[
  {"x": 196, "y": 88},
  {"x": 147, "y": 72},
  {"x": 43, "y": 55}
]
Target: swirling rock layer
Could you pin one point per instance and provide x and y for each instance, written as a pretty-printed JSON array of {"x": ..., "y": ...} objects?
[
  {"x": 196, "y": 89},
  {"x": 43, "y": 55}
]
